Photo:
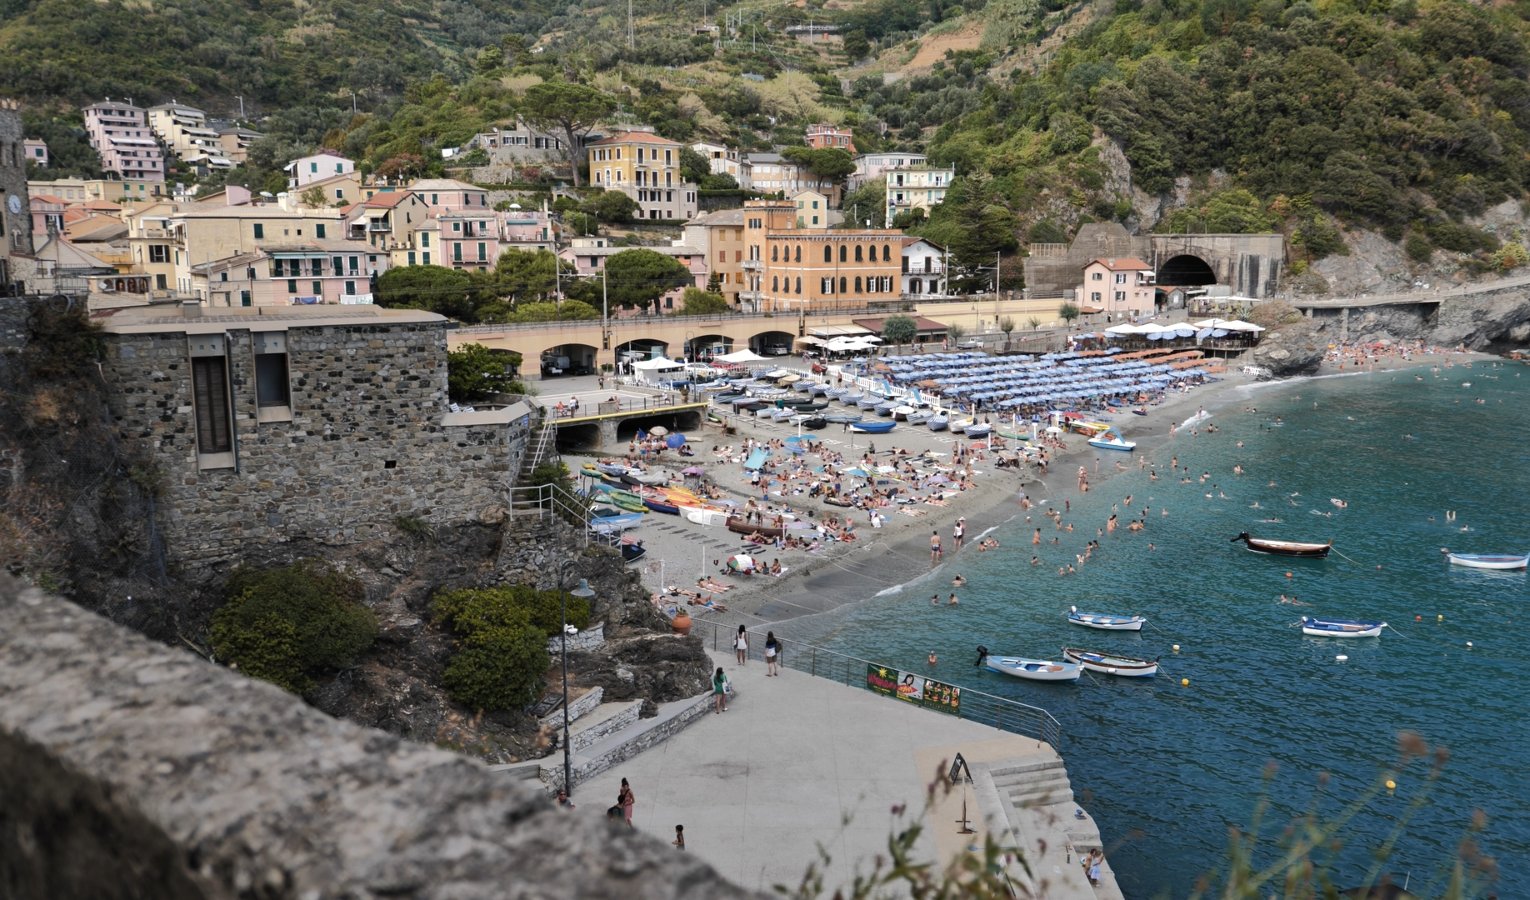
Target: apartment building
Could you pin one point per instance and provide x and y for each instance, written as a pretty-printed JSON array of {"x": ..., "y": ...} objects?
[
  {"x": 448, "y": 194},
  {"x": 387, "y": 220},
  {"x": 824, "y": 136},
  {"x": 110, "y": 190},
  {"x": 169, "y": 239},
  {"x": 646, "y": 168},
  {"x": 772, "y": 173},
  {"x": 807, "y": 268},
  {"x": 1125, "y": 288},
  {"x": 184, "y": 130},
  {"x": 721, "y": 159},
  {"x": 303, "y": 274},
  {"x": 236, "y": 143},
  {"x": 36, "y": 152},
  {"x": 305, "y": 170},
  {"x": 119, "y": 133},
  {"x": 519, "y": 143},
  {"x": 720, "y": 238},
  {"x": 475, "y": 240},
  {"x": 871, "y": 166},
  {"x": 917, "y": 188}
]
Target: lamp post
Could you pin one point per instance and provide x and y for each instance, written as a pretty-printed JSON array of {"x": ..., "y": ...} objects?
[{"x": 583, "y": 592}]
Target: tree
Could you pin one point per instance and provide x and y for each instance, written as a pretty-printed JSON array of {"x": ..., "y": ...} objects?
[
  {"x": 611, "y": 207},
  {"x": 434, "y": 288},
  {"x": 857, "y": 47},
  {"x": 828, "y": 163},
  {"x": 1067, "y": 312},
  {"x": 474, "y": 372},
  {"x": 526, "y": 274},
  {"x": 568, "y": 107},
  {"x": 693, "y": 166},
  {"x": 714, "y": 283},
  {"x": 502, "y": 657},
  {"x": 1007, "y": 325},
  {"x": 866, "y": 202},
  {"x": 640, "y": 277},
  {"x": 547, "y": 311},
  {"x": 954, "y": 334},
  {"x": 698, "y": 302},
  {"x": 314, "y": 198},
  {"x": 899, "y": 330},
  {"x": 285, "y": 625}
]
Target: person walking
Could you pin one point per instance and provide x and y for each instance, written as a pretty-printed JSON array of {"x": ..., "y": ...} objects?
[
  {"x": 679, "y": 840},
  {"x": 719, "y": 691},
  {"x": 741, "y": 646},
  {"x": 772, "y": 654},
  {"x": 626, "y": 800},
  {"x": 959, "y": 533},
  {"x": 934, "y": 548}
]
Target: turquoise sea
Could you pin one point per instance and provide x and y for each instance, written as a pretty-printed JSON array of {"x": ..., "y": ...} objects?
[{"x": 1270, "y": 714}]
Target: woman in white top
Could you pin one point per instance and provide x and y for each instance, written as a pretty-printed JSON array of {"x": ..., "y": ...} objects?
[{"x": 741, "y": 645}]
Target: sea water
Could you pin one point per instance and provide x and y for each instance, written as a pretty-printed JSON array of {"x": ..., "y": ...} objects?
[{"x": 1269, "y": 715}]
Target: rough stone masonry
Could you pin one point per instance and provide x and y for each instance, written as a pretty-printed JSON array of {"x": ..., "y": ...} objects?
[{"x": 130, "y": 770}]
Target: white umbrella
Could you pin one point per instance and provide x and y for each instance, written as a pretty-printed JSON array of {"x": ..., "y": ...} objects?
[
  {"x": 1053, "y": 429},
  {"x": 742, "y": 356},
  {"x": 658, "y": 431}
]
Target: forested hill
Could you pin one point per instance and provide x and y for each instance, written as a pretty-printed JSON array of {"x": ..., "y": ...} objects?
[{"x": 274, "y": 53}]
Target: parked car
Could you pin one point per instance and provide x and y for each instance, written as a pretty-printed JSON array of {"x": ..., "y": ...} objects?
[{"x": 777, "y": 350}]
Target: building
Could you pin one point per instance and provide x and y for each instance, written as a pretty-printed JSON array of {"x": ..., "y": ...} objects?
[
  {"x": 813, "y": 210},
  {"x": 772, "y": 173},
  {"x": 36, "y": 152},
  {"x": 236, "y": 143},
  {"x": 519, "y": 143},
  {"x": 110, "y": 190},
  {"x": 338, "y": 190},
  {"x": 1124, "y": 288},
  {"x": 720, "y": 238},
  {"x": 184, "y": 130},
  {"x": 871, "y": 166},
  {"x": 721, "y": 159},
  {"x": 308, "y": 169},
  {"x": 15, "y": 202},
  {"x": 917, "y": 188},
  {"x": 170, "y": 239},
  {"x": 821, "y": 137},
  {"x": 924, "y": 269},
  {"x": 646, "y": 168},
  {"x": 475, "y": 240},
  {"x": 119, "y": 133},
  {"x": 591, "y": 260},
  {"x": 47, "y": 215},
  {"x": 761, "y": 218},
  {"x": 332, "y": 272},
  {"x": 309, "y": 425},
  {"x": 388, "y": 219},
  {"x": 448, "y": 194},
  {"x": 808, "y": 268}
]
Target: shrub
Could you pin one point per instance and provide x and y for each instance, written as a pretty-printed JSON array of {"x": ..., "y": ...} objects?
[
  {"x": 472, "y": 610},
  {"x": 284, "y": 625},
  {"x": 498, "y": 668},
  {"x": 1418, "y": 248}
]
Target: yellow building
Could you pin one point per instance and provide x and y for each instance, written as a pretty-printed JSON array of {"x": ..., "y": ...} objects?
[
  {"x": 808, "y": 268},
  {"x": 646, "y": 168},
  {"x": 761, "y": 217},
  {"x": 168, "y": 239}
]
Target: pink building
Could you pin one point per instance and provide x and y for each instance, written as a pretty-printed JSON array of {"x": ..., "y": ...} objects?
[
  {"x": 821, "y": 136},
  {"x": 47, "y": 213},
  {"x": 450, "y": 195},
  {"x": 332, "y": 272},
  {"x": 119, "y": 133},
  {"x": 1123, "y": 287},
  {"x": 475, "y": 240}
]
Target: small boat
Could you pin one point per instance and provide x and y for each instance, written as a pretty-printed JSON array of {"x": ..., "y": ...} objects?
[
  {"x": 938, "y": 422},
  {"x": 962, "y": 424},
  {"x": 1109, "y": 440},
  {"x": 869, "y": 401},
  {"x": 979, "y": 429},
  {"x": 660, "y": 503},
  {"x": 919, "y": 417},
  {"x": 1105, "y": 621},
  {"x": 645, "y": 479},
  {"x": 841, "y": 418},
  {"x": 738, "y": 525},
  {"x": 1110, "y": 664},
  {"x": 807, "y": 405},
  {"x": 902, "y": 411},
  {"x": 869, "y": 426},
  {"x": 1285, "y": 548},
  {"x": 745, "y": 406},
  {"x": 1032, "y": 669},
  {"x": 852, "y": 397},
  {"x": 632, "y": 551},
  {"x": 815, "y": 423},
  {"x": 706, "y": 515},
  {"x": 886, "y": 407},
  {"x": 1487, "y": 560},
  {"x": 1345, "y": 628}
]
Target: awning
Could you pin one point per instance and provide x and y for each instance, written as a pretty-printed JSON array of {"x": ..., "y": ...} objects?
[
  {"x": 658, "y": 365},
  {"x": 741, "y": 356}
]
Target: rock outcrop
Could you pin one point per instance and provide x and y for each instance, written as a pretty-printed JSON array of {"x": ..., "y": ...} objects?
[{"x": 1290, "y": 350}]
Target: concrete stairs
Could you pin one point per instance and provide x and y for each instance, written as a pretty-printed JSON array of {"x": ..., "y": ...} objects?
[
  {"x": 1034, "y": 784},
  {"x": 612, "y": 733}
]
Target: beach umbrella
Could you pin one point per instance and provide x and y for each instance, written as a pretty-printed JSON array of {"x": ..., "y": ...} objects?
[
  {"x": 658, "y": 431},
  {"x": 741, "y": 563},
  {"x": 1053, "y": 429},
  {"x": 693, "y": 470},
  {"x": 675, "y": 441}
]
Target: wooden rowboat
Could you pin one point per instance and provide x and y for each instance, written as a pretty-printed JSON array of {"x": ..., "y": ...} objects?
[
  {"x": 1110, "y": 664},
  {"x": 737, "y": 525},
  {"x": 1033, "y": 669},
  {"x": 1344, "y": 628},
  {"x": 1285, "y": 548},
  {"x": 1105, "y": 621},
  {"x": 1488, "y": 560}
]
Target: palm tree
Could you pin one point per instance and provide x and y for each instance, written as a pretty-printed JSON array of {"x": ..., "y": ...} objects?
[{"x": 1007, "y": 325}]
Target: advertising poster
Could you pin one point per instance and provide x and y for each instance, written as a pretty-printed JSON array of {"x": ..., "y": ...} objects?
[{"x": 882, "y": 680}]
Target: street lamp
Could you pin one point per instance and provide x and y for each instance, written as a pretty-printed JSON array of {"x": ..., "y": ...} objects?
[{"x": 583, "y": 592}]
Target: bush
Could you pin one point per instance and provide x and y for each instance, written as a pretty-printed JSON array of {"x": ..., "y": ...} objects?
[
  {"x": 498, "y": 668},
  {"x": 1418, "y": 248},
  {"x": 472, "y": 610},
  {"x": 285, "y": 625}
]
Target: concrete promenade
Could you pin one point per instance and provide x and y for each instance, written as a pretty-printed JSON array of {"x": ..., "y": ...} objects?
[{"x": 799, "y": 762}]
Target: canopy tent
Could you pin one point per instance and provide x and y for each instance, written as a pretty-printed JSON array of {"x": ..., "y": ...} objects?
[
  {"x": 1229, "y": 325},
  {"x": 657, "y": 365},
  {"x": 742, "y": 356},
  {"x": 1127, "y": 328}
]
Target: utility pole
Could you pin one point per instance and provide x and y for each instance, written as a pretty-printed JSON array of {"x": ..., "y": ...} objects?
[
  {"x": 629, "y": 25},
  {"x": 353, "y": 103},
  {"x": 241, "y": 106}
]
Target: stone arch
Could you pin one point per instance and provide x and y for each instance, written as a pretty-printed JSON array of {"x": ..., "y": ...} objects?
[
  {"x": 704, "y": 346},
  {"x": 580, "y": 358},
  {"x": 648, "y": 347},
  {"x": 764, "y": 342}
]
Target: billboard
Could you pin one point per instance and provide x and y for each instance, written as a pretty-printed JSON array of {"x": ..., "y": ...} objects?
[{"x": 914, "y": 688}]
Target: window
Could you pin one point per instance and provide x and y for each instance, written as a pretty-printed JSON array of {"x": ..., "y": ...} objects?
[
  {"x": 244, "y": 298},
  {"x": 1120, "y": 278},
  {"x": 425, "y": 258},
  {"x": 159, "y": 254},
  {"x": 857, "y": 253},
  {"x": 1120, "y": 296},
  {"x": 482, "y": 251},
  {"x": 340, "y": 259},
  {"x": 318, "y": 230},
  {"x": 424, "y": 239},
  {"x": 318, "y": 289},
  {"x": 826, "y": 285},
  {"x": 271, "y": 384},
  {"x": 411, "y": 257},
  {"x": 828, "y": 253},
  {"x": 1094, "y": 296},
  {"x": 841, "y": 284},
  {"x": 1097, "y": 276},
  {"x": 313, "y": 168},
  {"x": 260, "y": 231},
  {"x": 350, "y": 288},
  {"x": 798, "y": 254},
  {"x": 159, "y": 282},
  {"x": 209, "y": 384},
  {"x": 773, "y": 253},
  {"x": 841, "y": 252},
  {"x": 291, "y": 286},
  {"x": 857, "y": 284},
  {"x": 775, "y": 284},
  {"x": 457, "y": 252},
  {"x": 887, "y": 253},
  {"x": 799, "y": 285},
  {"x": 815, "y": 220}
]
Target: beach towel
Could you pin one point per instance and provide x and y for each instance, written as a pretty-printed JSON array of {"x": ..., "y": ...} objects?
[{"x": 756, "y": 460}]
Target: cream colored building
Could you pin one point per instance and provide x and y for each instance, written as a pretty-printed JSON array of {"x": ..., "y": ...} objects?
[
  {"x": 168, "y": 239},
  {"x": 646, "y": 168},
  {"x": 720, "y": 236},
  {"x": 184, "y": 130},
  {"x": 917, "y": 188}
]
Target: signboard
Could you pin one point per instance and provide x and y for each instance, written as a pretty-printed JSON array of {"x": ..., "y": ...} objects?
[{"x": 914, "y": 688}]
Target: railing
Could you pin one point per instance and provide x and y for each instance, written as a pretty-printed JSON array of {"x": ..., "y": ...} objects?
[
  {"x": 975, "y": 706},
  {"x": 551, "y": 501}
]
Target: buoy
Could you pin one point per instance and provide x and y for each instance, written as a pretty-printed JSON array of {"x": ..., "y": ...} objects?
[
  {"x": 1184, "y": 682},
  {"x": 1439, "y": 618},
  {"x": 1288, "y": 574},
  {"x": 1418, "y": 618},
  {"x": 1341, "y": 657},
  {"x": 1468, "y": 645},
  {"x": 1176, "y": 648},
  {"x": 1391, "y": 785}
]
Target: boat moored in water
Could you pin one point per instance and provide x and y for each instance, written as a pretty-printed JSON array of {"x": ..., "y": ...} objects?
[
  {"x": 1488, "y": 560},
  {"x": 1285, "y": 548},
  {"x": 1111, "y": 664},
  {"x": 1030, "y": 669},
  {"x": 1105, "y": 621},
  {"x": 1344, "y": 628}
]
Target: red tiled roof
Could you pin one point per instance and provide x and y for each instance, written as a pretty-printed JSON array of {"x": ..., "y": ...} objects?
[{"x": 387, "y": 199}]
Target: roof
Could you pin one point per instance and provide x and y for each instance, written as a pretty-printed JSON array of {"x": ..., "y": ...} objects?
[
  {"x": 720, "y": 217},
  {"x": 912, "y": 240},
  {"x": 1122, "y": 264},
  {"x": 387, "y": 199},
  {"x": 667, "y": 250},
  {"x": 443, "y": 184},
  {"x": 757, "y": 158},
  {"x": 48, "y": 198},
  {"x": 921, "y": 324},
  {"x": 160, "y": 319},
  {"x": 635, "y": 137}
]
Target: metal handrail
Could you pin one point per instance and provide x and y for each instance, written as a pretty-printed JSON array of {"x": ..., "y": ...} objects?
[{"x": 977, "y": 706}]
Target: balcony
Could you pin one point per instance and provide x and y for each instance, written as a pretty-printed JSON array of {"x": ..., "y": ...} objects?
[
  {"x": 379, "y": 225},
  {"x": 753, "y": 265}
]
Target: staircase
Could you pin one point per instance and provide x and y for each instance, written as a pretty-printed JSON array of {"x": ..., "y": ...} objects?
[
  {"x": 1031, "y": 785},
  {"x": 542, "y": 446}
]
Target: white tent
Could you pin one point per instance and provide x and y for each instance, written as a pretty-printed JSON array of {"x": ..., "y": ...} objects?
[
  {"x": 742, "y": 356},
  {"x": 1128, "y": 328},
  {"x": 1240, "y": 325},
  {"x": 657, "y": 365}
]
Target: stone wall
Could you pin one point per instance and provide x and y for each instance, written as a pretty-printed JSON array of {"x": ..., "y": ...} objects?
[
  {"x": 130, "y": 769},
  {"x": 367, "y": 441},
  {"x": 16, "y": 233}
]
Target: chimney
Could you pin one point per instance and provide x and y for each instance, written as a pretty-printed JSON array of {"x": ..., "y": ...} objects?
[{"x": 191, "y": 309}]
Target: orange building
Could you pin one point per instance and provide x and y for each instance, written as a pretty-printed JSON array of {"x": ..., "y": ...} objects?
[{"x": 805, "y": 268}]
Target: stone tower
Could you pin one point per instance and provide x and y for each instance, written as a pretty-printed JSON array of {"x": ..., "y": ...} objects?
[{"x": 15, "y": 206}]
